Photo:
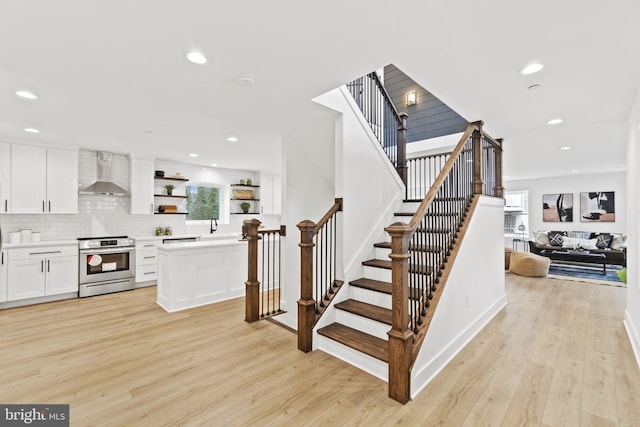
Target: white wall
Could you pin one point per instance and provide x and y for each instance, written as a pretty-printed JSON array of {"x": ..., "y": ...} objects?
[
  {"x": 632, "y": 312},
  {"x": 574, "y": 184},
  {"x": 308, "y": 191},
  {"x": 474, "y": 294},
  {"x": 369, "y": 185}
]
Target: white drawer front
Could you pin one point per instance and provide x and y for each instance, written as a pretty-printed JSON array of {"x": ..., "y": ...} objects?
[
  {"x": 42, "y": 252},
  {"x": 147, "y": 257},
  {"x": 144, "y": 273}
]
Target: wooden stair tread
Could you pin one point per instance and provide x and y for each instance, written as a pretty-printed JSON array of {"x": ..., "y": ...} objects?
[
  {"x": 365, "y": 343},
  {"x": 428, "y": 214},
  {"x": 380, "y": 286},
  {"x": 370, "y": 311},
  {"x": 419, "y": 248},
  {"x": 372, "y": 285},
  {"x": 381, "y": 263}
]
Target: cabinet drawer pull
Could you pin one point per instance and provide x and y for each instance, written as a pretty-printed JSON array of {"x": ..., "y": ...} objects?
[
  {"x": 148, "y": 257},
  {"x": 49, "y": 205},
  {"x": 149, "y": 246},
  {"x": 42, "y": 253},
  {"x": 42, "y": 266},
  {"x": 2, "y": 258},
  {"x": 43, "y": 206},
  {"x": 6, "y": 205},
  {"x": 150, "y": 272},
  {"x": 48, "y": 266}
]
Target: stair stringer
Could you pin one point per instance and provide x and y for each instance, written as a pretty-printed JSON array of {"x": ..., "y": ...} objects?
[{"x": 473, "y": 295}]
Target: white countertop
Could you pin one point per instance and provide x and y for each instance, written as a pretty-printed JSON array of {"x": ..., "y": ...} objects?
[
  {"x": 43, "y": 243},
  {"x": 203, "y": 244},
  {"x": 204, "y": 237}
]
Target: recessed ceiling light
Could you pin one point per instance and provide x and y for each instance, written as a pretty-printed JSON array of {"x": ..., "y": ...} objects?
[
  {"x": 555, "y": 121},
  {"x": 193, "y": 155},
  {"x": 532, "y": 68},
  {"x": 197, "y": 58},
  {"x": 565, "y": 148},
  {"x": 232, "y": 139},
  {"x": 214, "y": 165},
  {"x": 26, "y": 94},
  {"x": 31, "y": 130},
  {"x": 575, "y": 171}
]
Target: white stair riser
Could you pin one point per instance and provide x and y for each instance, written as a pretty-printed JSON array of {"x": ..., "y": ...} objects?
[
  {"x": 369, "y": 364},
  {"x": 377, "y": 273},
  {"x": 363, "y": 324},
  {"x": 371, "y": 297},
  {"x": 382, "y": 253}
]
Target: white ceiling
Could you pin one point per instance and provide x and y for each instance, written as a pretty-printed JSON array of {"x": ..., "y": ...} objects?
[{"x": 107, "y": 71}]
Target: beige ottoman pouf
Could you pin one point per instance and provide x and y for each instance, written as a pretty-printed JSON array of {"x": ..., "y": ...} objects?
[
  {"x": 529, "y": 265},
  {"x": 507, "y": 257}
]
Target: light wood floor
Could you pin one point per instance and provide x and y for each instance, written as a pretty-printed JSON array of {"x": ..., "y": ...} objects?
[{"x": 557, "y": 355}]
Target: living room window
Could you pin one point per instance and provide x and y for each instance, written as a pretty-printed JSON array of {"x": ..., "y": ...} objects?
[{"x": 516, "y": 213}]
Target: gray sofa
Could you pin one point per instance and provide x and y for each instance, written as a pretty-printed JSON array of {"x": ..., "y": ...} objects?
[{"x": 612, "y": 245}]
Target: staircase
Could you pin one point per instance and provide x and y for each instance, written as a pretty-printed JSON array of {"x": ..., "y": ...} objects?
[
  {"x": 363, "y": 320},
  {"x": 379, "y": 321}
]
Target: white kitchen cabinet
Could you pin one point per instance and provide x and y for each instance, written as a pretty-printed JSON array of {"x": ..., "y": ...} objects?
[
  {"x": 62, "y": 181},
  {"x": 141, "y": 173},
  {"x": 270, "y": 194},
  {"x": 42, "y": 271},
  {"x": 146, "y": 261},
  {"x": 5, "y": 176},
  {"x": 43, "y": 180},
  {"x": 28, "y": 179},
  {"x": 3, "y": 275}
]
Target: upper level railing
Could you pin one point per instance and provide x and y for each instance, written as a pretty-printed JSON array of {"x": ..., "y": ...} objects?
[
  {"x": 318, "y": 271},
  {"x": 422, "y": 173},
  {"x": 421, "y": 250},
  {"x": 388, "y": 125},
  {"x": 264, "y": 282}
]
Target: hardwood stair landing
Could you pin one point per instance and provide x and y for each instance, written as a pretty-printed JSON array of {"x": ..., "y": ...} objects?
[{"x": 364, "y": 343}]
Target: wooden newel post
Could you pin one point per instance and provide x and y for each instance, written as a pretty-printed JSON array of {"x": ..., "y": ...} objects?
[
  {"x": 252, "y": 286},
  {"x": 499, "y": 189},
  {"x": 400, "y": 336},
  {"x": 306, "y": 303},
  {"x": 401, "y": 165},
  {"x": 478, "y": 184}
]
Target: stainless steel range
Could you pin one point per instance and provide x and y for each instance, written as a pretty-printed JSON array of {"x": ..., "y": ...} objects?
[{"x": 107, "y": 264}]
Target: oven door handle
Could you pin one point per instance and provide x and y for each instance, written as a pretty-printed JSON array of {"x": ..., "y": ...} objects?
[{"x": 107, "y": 250}]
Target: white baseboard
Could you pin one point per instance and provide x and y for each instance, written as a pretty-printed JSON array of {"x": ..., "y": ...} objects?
[{"x": 634, "y": 338}]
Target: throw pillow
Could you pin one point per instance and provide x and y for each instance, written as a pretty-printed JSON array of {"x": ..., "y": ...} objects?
[
  {"x": 556, "y": 237},
  {"x": 580, "y": 234},
  {"x": 603, "y": 239},
  {"x": 619, "y": 242},
  {"x": 575, "y": 243},
  {"x": 541, "y": 238}
]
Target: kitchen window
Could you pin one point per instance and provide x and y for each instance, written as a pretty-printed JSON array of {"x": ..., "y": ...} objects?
[{"x": 203, "y": 202}]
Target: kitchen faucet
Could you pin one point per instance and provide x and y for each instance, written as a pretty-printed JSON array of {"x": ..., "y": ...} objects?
[{"x": 211, "y": 229}]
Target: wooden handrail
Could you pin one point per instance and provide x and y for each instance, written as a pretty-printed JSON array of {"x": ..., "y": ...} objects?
[
  {"x": 383, "y": 90},
  {"x": 495, "y": 142},
  {"x": 337, "y": 207},
  {"x": 282, "y": 231}
]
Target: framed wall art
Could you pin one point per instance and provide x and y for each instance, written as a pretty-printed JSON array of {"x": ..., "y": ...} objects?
[
  {"x": 598, "y": 206},
  {"x": 557, "y": 207}
]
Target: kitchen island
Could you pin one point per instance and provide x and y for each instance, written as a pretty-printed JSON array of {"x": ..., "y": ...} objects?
[{"x": 198, "y": 273}]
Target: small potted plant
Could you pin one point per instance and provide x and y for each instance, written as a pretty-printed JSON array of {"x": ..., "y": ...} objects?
[
  {"x": 169, "y": 188},
  {"x": 245, "y": 207}
]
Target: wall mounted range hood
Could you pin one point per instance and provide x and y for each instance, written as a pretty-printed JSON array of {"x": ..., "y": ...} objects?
[{"x": 104, "y": 184}]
